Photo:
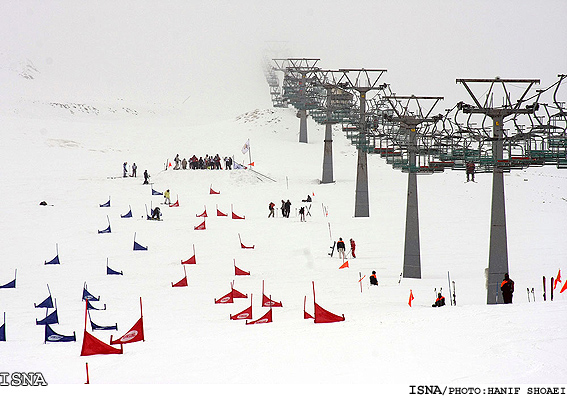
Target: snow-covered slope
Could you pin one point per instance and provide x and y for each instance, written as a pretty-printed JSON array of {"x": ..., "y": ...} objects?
[{"x": 73, "y": 160}]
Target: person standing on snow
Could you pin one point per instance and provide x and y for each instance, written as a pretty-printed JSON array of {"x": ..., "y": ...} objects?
[
  {"x": 287, "y": 208},
  {"x": 507, "y": 288},
  {"x": 283, "y": 208},
  {"x": 271, "y": 207},
  {"x": 167, "y": 196},
  {"x": 302, "y": 214},
  {"x": 352, "y": 247},
  {"x": 125, "y": 169},
  {"x": 470, "y": 171},
  {"x": 134, "y": 168},
  {"x": 146, "y": 177},
  {"x": 341, "y": 248}
]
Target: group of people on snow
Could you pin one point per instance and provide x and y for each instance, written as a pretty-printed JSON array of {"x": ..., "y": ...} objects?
[
  {"x": 341, "y": 248},
  {"x": 286, "y": 209},
  {"x": 125, "y": 172},
  {"x": 202, "y": 163}
]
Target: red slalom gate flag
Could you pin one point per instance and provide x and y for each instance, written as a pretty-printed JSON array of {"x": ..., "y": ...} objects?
[
  {"x": 192, "y": 260},
  {"x": 557, "y": 279},
  {"x": 135, "y": 334},
  {"x": 410, "y": 297},
  {"x": 238, "y": 271},
  {"x": 92, "y": 345},
  {"x": 344, "y": 265},
  {"x": 201, "y": 226},
  {"x": 266, "y": 318},
  {"x": 564, "y": 287},
  {"x": 244, "y": 314}
]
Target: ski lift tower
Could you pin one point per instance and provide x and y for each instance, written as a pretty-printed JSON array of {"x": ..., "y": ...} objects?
[
  {"x": 498, "y": 249},
  {"x": 299, "y": 69},
  {"x": 362, "y": 81},
  {"x": 336, "y": 107},
  {"x": 409, "y": 123}
]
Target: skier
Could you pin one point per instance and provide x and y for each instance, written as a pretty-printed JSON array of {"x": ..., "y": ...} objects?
[
  {"x": 125, "y": 168},
  {"x": 146, "y": 177},
  {"x": 470, "y": 171},
  {"x": 283, "y": 208},
  {"x": 184, "y": 164},
  {"x": 352, "y": 247},
  {"x": 507, "y": 288},
  {"x": 373, "y": 279},
  {"x": 176, "y": 159},
  {"x": 302, "y": 214},
  {"x": 341, "y": 248},
  {"x": 271, "y": 207},
  {"x": 134, "y": 168},
  {"x": 440, "y": 301},
  {"x": 167, "y": 196},
  {"x": 156, "y": 214}
]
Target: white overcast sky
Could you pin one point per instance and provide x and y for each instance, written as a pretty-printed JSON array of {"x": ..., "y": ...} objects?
[{"x": 211, "y": 50}]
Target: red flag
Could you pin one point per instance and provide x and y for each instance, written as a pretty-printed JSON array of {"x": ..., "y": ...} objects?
[
  {"x": 557, "y": 279},
  {"x": 176, "y": 204},
  {"x": 344, "y": 265},
  {"x": 228, "y": 298},
  {"x": 251, "y": 164},
  {"x": 240, "y": 272},
  {"x": 204, "y": 214},
  {"x": 182, "y": 282},
  {"x": 135, "y": 334},
  {"x": 234, "y": 216},
  {"x": 410, "y": 297},
  {"x": 192, "y": 260},
  {"x": 267, "y": 302},
  {"x": 244, "y": 314},
  {"x": 266, "y": 318},
  {"x": 322, "y": 315},
  {"x": 200, "y": 226},
  {"x": 219, "y": 213},
  {"x": 211, "y": 191},
  {"x": 564, "y": 287},
  {"x": 92, "y": 346}
]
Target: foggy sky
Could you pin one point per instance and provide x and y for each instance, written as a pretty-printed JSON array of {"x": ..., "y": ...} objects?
[{"x": 211, "y": 52}]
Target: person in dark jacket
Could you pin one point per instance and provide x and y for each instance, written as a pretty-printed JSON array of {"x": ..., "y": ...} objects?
[
  {"x": 146, "y": 177},
  {"x": 287, "y": 208},
  {"x": 507, "y": 288},
  {"x": 156, "y": 213},
  {"x": 341, "y": 248},
  {"x": 373, "y": 279},
  {"x": 470, "y": 171},
  {"x": 440, "y": 301}
]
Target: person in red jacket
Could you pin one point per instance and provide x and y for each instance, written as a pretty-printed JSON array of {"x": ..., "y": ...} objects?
[
  {"x": 373, "y": 279},
  {"x": 352, "y": 247},
  {"x": 440, "y": 301}
]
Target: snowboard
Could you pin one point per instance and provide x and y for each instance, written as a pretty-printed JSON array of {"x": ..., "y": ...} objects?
[{"x": 332, "y": 249}]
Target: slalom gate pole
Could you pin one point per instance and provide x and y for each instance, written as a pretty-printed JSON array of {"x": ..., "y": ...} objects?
[
  {"x": 449, "y": 278},
  {"x": 87, "y": 367}
]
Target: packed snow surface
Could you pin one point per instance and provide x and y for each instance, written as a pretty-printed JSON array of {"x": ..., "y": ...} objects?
[{"x": 71, "y": 155}]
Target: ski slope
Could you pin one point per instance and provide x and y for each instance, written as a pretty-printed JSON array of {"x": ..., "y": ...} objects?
[{"x": 74, "y": 162}]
